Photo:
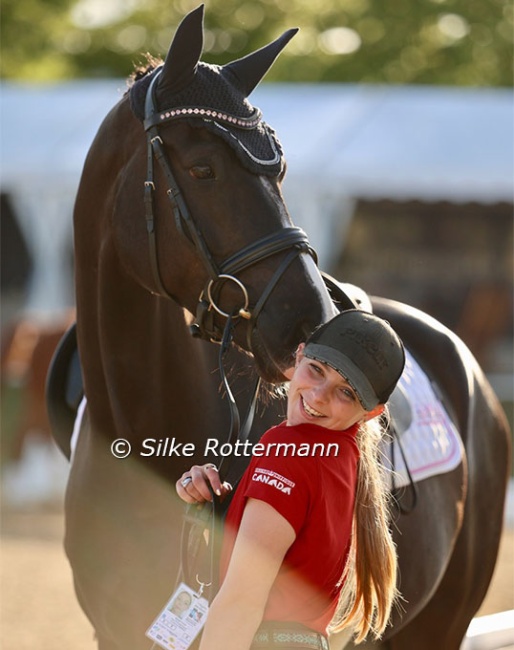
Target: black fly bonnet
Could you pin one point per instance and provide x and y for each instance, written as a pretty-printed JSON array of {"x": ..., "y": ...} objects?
[{"x": 215, "y": 98}]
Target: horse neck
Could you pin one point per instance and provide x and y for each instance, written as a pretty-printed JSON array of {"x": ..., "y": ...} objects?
[{"x": 141, "y": 366}]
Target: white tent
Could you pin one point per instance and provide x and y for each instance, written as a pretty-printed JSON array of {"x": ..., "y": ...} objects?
[
  {"x": 410, "y": 142},
  {"x": 342, "y": 142}
]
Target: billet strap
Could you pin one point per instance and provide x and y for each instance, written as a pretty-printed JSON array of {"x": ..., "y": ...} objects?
[{"x": 396, "y": 492}]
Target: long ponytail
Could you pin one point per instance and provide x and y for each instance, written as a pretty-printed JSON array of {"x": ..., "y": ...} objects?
[{"x": 369, "y": 581}]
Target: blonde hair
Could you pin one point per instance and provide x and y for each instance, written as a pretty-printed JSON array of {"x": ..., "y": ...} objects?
[{"x": 369, "y": 580}]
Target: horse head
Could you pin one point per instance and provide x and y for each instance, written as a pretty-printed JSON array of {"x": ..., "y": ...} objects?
[{"x": 221, "y": 241}]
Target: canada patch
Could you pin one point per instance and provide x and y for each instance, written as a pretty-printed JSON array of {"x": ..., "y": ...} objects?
[{"x": 267, "y": 476}]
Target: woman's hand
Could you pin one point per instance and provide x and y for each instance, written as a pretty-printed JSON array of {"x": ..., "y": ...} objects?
[{"x": 193, "y": 486}]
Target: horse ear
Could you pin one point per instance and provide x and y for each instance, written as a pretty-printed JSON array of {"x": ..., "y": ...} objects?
[
  {"x": 185, "y": 50},
  {"x": 251, "y": 69}
]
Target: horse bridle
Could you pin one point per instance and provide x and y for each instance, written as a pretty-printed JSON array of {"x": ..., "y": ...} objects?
[{"x": 292, "y": 238}]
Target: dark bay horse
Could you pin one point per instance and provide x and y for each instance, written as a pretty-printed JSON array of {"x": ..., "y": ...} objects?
[
  {"x": 179, "y": 223},
  {"x": 179, "y": 216}
]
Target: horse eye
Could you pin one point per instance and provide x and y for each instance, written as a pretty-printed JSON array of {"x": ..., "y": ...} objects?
[{"x": 202, "y": 172}]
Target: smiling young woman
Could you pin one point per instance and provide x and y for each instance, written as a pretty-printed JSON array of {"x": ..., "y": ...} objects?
[
  {"x": 307, "y": 548},
  {"x": 320, "y": 395}
]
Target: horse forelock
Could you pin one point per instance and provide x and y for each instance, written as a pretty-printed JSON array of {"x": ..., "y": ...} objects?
[{"x": 215, "y": 88}]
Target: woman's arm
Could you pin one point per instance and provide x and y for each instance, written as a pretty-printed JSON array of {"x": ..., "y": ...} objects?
[{"x": 236, "y": 612}]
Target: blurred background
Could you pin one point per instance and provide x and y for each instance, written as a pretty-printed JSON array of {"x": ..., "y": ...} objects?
[{"x": 397, "y": 123}]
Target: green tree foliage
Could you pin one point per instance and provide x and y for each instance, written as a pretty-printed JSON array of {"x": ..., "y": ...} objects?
[{"x": 457, "y": 42}]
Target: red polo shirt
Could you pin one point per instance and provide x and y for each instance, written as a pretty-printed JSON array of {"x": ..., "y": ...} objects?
[{"x": 308, "y": 474}]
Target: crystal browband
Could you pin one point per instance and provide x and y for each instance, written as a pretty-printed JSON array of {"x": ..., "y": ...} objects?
[{"x": 205, "y": 114}]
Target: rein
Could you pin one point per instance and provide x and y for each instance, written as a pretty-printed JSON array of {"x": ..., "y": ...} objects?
[
  {"x": 198, "y": 553},
  {"x": 293, "y": 239}
]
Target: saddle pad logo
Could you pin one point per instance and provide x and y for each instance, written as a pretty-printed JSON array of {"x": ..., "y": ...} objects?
[
  {"x": 273, "y": 479},
  {"x": 431, "y": 444}
]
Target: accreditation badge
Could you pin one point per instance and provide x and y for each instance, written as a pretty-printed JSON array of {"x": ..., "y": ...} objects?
[{"x": 181, "y": 620}]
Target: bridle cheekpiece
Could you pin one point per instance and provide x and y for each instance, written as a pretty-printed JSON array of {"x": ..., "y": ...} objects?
[{"x": 293, "y": 239}]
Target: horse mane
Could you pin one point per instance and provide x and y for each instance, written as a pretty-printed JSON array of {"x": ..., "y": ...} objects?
[
  {"x": 142, "y": 69},
  {"x": 138, "y": 82}
]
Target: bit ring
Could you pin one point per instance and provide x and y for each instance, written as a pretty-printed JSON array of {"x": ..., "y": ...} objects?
[{"x": 243, "y": 311}]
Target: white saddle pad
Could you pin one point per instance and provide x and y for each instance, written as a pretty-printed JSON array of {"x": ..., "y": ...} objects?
[{"x": 431, "y": 444}]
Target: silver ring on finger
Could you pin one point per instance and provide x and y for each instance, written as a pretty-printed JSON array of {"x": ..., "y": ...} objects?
[
  {"x": 186, "y": 481},
  {"x": 211, "y": 466}
]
